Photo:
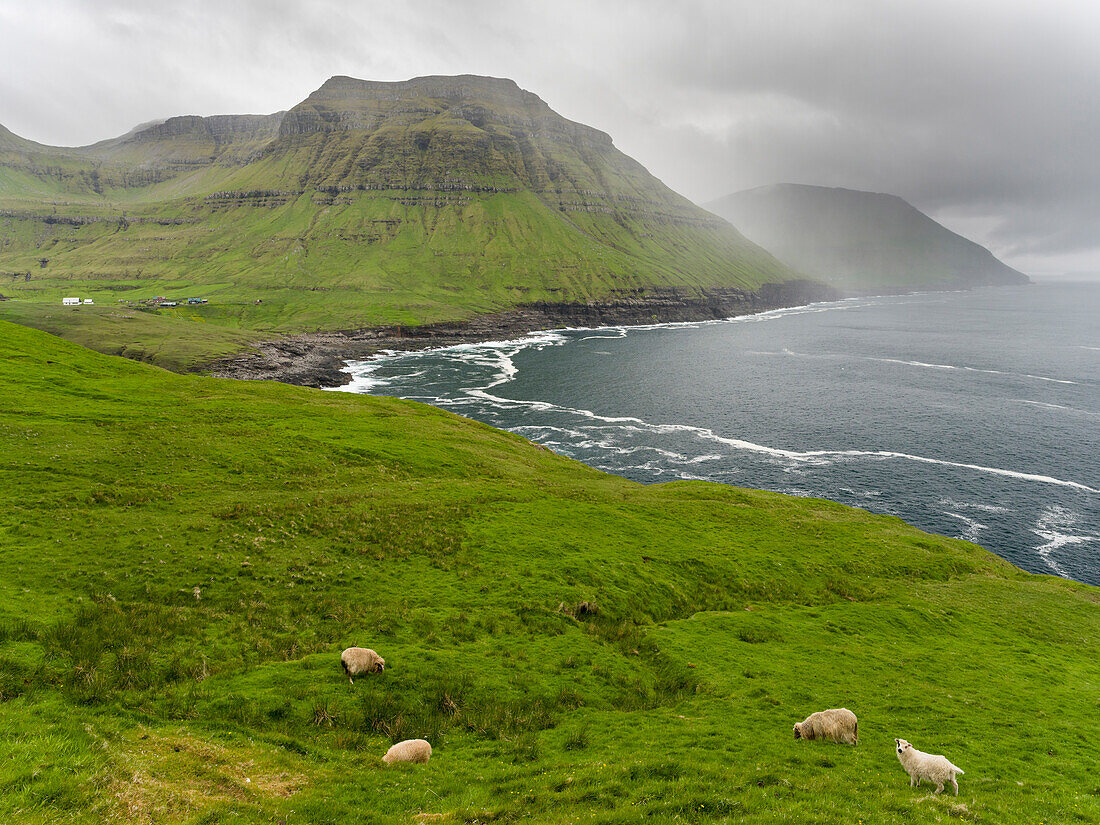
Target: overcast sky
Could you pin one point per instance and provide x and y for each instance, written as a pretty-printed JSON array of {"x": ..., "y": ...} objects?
[{"x": 984, "y": 114}]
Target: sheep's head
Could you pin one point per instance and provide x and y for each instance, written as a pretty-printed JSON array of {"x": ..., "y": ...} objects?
[
  {"x": 380, "y": 665},
  {"x": 797, "y": 730},
  {"x": 902, "y": 746}
]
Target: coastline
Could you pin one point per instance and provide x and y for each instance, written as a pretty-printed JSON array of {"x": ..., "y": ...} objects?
[
  {"x": 318, "y": 359},
  {"x": 972, "y": 496}
]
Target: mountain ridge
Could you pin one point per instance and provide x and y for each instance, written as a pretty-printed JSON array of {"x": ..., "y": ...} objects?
[
  {"x": 367, "y": 204},
  {"x": 858, "y": 240}
]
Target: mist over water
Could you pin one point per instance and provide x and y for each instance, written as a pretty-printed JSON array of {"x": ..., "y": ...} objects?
[{"x": 974, "y": 415}]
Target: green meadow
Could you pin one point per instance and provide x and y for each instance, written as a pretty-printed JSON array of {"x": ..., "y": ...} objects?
[{"x": 182, "y": 559}]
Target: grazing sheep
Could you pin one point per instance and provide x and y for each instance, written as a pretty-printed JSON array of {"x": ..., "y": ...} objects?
[
  {"x": 411, "y": 750},
  {"x": 836, "y": 725},
  {"x": 930, "y": 766},
  {"x": 358, "y": 660}
]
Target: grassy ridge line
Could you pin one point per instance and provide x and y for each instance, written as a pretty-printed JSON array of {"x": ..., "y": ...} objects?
[{"x": 310, "y": 521}]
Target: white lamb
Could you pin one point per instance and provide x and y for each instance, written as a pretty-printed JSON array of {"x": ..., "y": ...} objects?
[{"x": 933, "y": 767}]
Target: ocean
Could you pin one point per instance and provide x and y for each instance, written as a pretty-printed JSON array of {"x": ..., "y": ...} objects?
[{"x": 969, "y": 414}]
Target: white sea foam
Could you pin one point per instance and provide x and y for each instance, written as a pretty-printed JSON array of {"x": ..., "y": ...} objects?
[
  {"x": 969, "y": 505},
  {"x": 970, "y": 369},
  {"x": 873, "y": 494},
  {"x": 756, "y": 317},
  {"x": 501, "y": 352},
  {"x": 796, "y": 456},
  {"x": 796, "y": 491},
  {"x": 1041, "y": 404},
  {"x": 1049, "y": 406},
  {"x": 1053, "y": 527},
  {"x": 620, "y": 330},
  {"x": 546, "y": 428},
  {"x": 911, "y": 363},
  {"x": 363, "y": 379},
  {"x": 973, "y": 527}
]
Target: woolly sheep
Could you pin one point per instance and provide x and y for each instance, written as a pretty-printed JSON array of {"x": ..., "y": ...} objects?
[
  {"x": 411, "y": 750},
  {"x": 930, "y": 766},
  {"x": 836, "y": 725},
  {"x": 358, "y": 660}
]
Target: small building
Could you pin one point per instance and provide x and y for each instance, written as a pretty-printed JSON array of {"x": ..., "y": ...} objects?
[
  {"x": 169, "y": 303},
  {"x": 70, "y": 302},
  {"x": 196, "y": 300},
  {"x": 88, "y": 302}
]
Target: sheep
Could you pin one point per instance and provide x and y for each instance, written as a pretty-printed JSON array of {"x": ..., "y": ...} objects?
[
  {"x": 837, "y": 725},
  {"x": 358, "y": 660},
  {"x": 930, "y": 766},
  {"x": 411, "y": 750}
]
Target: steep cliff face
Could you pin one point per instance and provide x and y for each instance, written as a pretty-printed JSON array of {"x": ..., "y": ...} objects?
[
  {"x": 466, "y": 133},
  {"x": 219, "y": 127},
  {"x": 345, "y": 103},
  {"x": 861, "y": 240},
  {"x": 189, "y": 140}
]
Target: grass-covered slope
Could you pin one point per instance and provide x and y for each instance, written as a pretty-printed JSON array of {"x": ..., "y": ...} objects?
[
  {"x": 310, "y": 521},
  {"x": 861, "y": 240},
  {"x": 367, "y": 204}
]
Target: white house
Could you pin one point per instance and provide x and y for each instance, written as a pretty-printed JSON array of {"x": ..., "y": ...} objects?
[
  {"x": 88, "y": 301},
  {"x": 70, "y": 302}
]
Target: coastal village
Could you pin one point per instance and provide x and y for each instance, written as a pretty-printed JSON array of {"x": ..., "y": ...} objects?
[{"x": 159, "y": 301}]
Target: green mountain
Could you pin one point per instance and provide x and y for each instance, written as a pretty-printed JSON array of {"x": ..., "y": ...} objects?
[
  {"x": 183, "y": 559},
  {"x": 860, "y": 240},
  {"x": 434, "y": 199}
]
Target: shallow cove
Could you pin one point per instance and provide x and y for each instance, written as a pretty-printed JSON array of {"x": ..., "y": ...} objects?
[{"x": 973, "y": 414}]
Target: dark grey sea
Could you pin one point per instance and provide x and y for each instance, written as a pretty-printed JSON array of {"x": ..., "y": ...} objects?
[{"x": 969, "y": 414}]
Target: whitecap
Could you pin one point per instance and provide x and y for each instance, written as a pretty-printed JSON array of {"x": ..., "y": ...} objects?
[
  {"x": 1056, "y": 407},
  {"x": 1041, "y": 404},
  {"x": 908, "y": 363},
  {"x": 1053, "y": 527},
  {"x": 801, "y": 457},
  {"x": 964, "y": 368},
  {"x": 973, "y": 527},
  {"x": 968, "y": 505}
]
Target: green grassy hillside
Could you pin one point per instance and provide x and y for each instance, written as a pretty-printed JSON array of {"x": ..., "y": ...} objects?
[
  {"x": 183, "y": 558},
  {"x": 367, "y": 204},
  {"x": 861, "y": 240}
]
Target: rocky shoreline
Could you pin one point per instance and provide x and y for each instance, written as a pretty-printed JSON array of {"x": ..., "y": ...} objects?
[{"x": 317, "y": 359}]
